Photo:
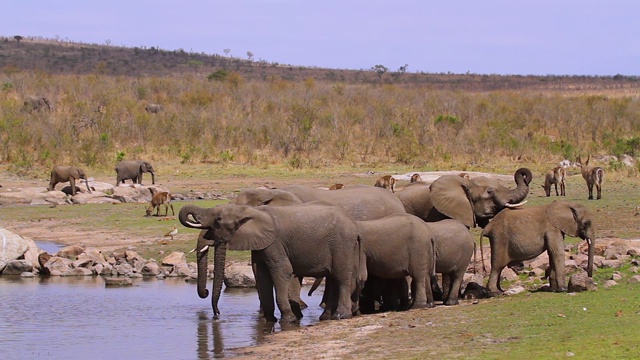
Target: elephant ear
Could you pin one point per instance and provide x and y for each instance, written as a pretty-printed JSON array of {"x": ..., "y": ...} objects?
[
  {"x": 564, "y": 217},
  {"x": 74, "y": 173},
  {"x": 450, "y": 196},
  {"x": 255, "y": 230}
]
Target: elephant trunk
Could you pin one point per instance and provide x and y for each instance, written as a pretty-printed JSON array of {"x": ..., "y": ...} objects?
[
  {"x": 218, "y": 276},
  {"x": 592, "y": 249},
  {"x": 153, "y": 178},
  {"x": 190, "y": 216},
  {"x": 86, "y": 181},
  {"x": 202, "y": 254},
  {"x": 522, "y": 177}
]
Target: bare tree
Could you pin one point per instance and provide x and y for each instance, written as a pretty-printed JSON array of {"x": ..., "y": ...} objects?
[
  {"x": 380, "y": 70},
  {"x": 226, "y": 51}
]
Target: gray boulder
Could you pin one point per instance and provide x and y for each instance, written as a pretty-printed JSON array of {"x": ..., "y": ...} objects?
[
  {"x": 16, "y": 247},
  {"x": 17, "y": 267},
  {"x": 581, "y": 282}
]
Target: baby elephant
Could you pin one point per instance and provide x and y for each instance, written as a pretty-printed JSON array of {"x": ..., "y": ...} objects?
[
  {"x": 61, "y": 173},
  {"x": 554, "y": 177},
  {"x": 387, "y": 182},
  {"x": 522, "y": 234},
  {"x": 161, "y": 198}
]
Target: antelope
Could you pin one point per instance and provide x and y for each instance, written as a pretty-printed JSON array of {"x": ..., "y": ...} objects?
[
  {"x": 593, "y": 176},
  {"x": 554, "y": 177},
  {"x": 387, "y": 182},
  {"x": 415, "y": 177},
  {"x": 336, "y": 187},
  {"x": 161, "y": 198}
]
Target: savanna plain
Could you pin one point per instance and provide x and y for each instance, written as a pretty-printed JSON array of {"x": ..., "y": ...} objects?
[{"x": 256, "y": 124}]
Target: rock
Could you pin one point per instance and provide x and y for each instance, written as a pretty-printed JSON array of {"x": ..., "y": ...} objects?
[
  {"x": 615, "y": 264},
  {"x": 117, "y": 281},
  {"x": 610, "y": 283},
  {"x": 541, "y": 262},
  {"x": 239, "y": 275},
  {"x": 614, "y": 252},
  {"x": 633, "y": 252},
  {"x": 58, "y": 265},
  {"x": 13, "y": 247},
  {"x": 70, "y": 252},
  {"x": 93, "y": 255},
  {"x": 634, "y": 279},
  {"x": 132, "y": 193},
  {"x": 93, "y": 198},
  {"x": 174, "y": 259},
  {"x": 509, "y": 275},
  {"x": 17, "y": 267},
  {"x": 616, "y": 276},
  {"x": 536, "y": 272},
  {"x": 27, "y": 274},
  {"x": 581, "y": 282},
  {"x": 151, "y": 268},
  {"x": 79, "y": 272},
  {"x": 515, "y": 290},
  {"x": 123, "y": 269}
]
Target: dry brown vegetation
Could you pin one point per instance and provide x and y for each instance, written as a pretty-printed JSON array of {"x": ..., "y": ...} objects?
[{"x": 220, "y": 109}]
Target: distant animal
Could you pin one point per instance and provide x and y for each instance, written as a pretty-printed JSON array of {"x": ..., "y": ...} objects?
[
  {"x": 161, "y": 198},
  {"x": 38, "y": 103},
  {"x": 153, "y": 108},
  {"x": 61, "y": 173},
  {"x": 554, "y": 177},
  {"x": 464, "y": 175},
  {"x": 336, "y": 187},
  {"x": 415, "y": 177},
  {"x": 592, "y": 175},
  {"x": 387, "y": 182},
  {"x": 133, "y": 169},
  {"x": 173, "y": 232}
]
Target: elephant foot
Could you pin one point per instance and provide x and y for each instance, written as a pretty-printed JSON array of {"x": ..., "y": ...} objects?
[
  {"x": 491, "y": 294},
  {"x": 340, "y": 316},
  {"x": 289, "y": 318},
  {"x": 451, "y": 302},
  {"x": 270, "y": 319},
  {"x": 296, "y": 309},
  {"x": 560, "y": 289},
  {"x": 423, "y": 305},
  {"x": 326, "y": 315}
]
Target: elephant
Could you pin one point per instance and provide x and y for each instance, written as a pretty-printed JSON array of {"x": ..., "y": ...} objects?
[
  {"x": 284, "y": 241},
  {"x": 471, "y": 201},
  {"x": 38, "y": 103},
  {"x": 61, "y": 173},
  {"x": 153, "y": 108},
  {"x": 133, "y": 169},
  {"x": 453, "y": 247},
  {"x": 397, "y": 246},
  {"x": 522, "y": 234}
]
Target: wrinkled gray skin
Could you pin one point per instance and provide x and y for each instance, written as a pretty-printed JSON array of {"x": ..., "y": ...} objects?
[
  {"x": 38, "y": 103},
  {"x": 523, "y": 234},
  {"x": 397, "y": 246},
  {"x": 286, "y": 241},
  {"x": 61, "y": 173},
  {"x": 153, "y": 108},
  {"x": 471, "y": 201},
  {"x": 133, "y": 169},
  {"x": 360, "y": 202},
  {"x": 453, "y": 246}
]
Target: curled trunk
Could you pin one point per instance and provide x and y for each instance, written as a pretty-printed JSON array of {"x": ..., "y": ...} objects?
[
  {"x": 153, "y": 178},
  {"x": 522, "y": 177},
  {"x": 218, "y": 276}
]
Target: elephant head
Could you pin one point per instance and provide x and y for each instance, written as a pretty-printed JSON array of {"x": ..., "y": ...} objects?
[
  {"x": 78, "y": 173},
  {"x": 477, "y": 200},
  {"x": 237, "y": 227},
  {"x": 146, "y": 167},
  {"x": 574, "y": 220},
  {"x": 273, "y": 197}
]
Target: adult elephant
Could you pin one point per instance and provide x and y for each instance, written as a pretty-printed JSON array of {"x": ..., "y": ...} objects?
[
  {"x": 523, "y": 234},
  {"x": 471, "y": 201},
  {"x": 61, "y": 173},
  {"x": 133, "y": 169},
  {"x": 285, "y": 241},
  {"x": 395, "y": 247},
  {"x": 38, "y": 103}
]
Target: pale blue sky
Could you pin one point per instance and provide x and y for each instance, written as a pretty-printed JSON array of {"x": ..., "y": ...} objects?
[{"x": 561, "y": 37}]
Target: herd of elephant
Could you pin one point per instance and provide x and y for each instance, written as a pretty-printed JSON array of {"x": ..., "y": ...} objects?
[{"x": 379, "y": 249}]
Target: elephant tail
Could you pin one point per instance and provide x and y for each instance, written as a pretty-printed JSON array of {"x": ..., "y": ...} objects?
[{"x": 484, "y": 268}]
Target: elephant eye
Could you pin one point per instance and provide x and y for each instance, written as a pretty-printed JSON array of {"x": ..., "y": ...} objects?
[{"x": 216, "y": 222}]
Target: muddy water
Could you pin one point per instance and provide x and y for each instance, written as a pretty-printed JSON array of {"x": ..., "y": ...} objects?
[{"x": 76, "y": 317}]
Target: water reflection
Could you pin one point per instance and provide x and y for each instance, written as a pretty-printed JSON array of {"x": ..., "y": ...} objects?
[{"x": 68, "y": 317}]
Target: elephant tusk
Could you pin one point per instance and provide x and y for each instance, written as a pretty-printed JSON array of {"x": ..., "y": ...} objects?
[
  {"x": 588, "y": 241},
  {"x": 194, "y": 225},
  {"x": 507, "y": 205},
  {"x": 192, "y": 251},
  {"x": 205, "y": 248}
]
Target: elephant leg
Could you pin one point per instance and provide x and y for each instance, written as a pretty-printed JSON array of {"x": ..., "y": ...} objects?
[
  {"x": 72, "y": 181},
  {"x": 493, "y": 284},
  {"x": 264, "y": 284},
  {"x": 52, "y": 185},
  {"x": 421, "y": 286},
  {"x": 343, "y": 310},
  {"x": 296, "y": 303},
  {"x": 555, "y": 249},
  {"x": 281, "y": 280},
  {"x": 455, "y": 282},
  {"x": 368, "y": 296},
  {"x": 435, "y": 289},
  {"x": 331, "y": 292}
]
